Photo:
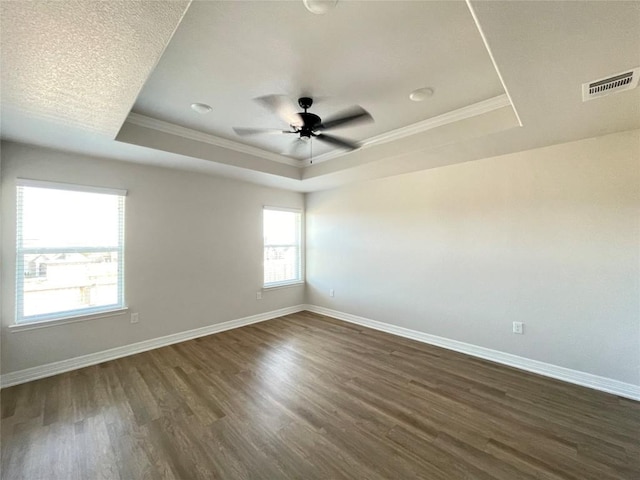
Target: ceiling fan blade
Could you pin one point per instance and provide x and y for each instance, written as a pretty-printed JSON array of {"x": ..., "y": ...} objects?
[
  {"x": 349, "y": 117},
  {"x": 282, "y": 106},
  {"x": 338, "y": 142},
  {"x": 243, "y": 132}
]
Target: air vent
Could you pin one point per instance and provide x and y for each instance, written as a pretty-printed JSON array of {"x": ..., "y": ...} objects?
[{"x": 605, "y": 86}]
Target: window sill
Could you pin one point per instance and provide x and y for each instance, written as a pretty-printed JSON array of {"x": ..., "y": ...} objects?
[
  {"x": 283, "y": 285},
  {"x": 21, "y": 327}
]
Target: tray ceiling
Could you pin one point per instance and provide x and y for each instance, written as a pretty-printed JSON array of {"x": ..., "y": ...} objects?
[
  {"x": 373, "y": 54},
  {"x": 116, "y": 80}
]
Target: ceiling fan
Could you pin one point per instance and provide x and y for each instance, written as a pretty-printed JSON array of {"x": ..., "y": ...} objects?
[{"x": 307, "y": 125}]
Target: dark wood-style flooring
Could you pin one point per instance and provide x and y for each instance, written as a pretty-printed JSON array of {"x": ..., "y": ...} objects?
[{"x": 308, "y": 397}]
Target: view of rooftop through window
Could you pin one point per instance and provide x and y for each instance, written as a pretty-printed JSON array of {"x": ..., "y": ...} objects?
[{"x": 69, "y": 252}]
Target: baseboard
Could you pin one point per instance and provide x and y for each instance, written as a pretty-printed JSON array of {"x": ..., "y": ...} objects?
[
  {"x": 584, "y": 379},
  {"x": 55, "y": 368}
]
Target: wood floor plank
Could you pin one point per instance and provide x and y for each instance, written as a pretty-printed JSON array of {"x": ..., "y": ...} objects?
[{"x": 310, "y": 397}]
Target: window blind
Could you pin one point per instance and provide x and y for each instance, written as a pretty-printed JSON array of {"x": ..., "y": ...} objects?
[
  {"x": 70, "y": 250},
  {"x": 282, "y": 230}
]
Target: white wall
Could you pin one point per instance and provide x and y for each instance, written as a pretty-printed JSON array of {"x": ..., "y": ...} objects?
[
  {"x": 193, "y": 253},
  {"x": 549, "y": 237}
]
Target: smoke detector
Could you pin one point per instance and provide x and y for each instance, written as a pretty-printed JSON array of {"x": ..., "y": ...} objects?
[{"x": 616, "y": 83}]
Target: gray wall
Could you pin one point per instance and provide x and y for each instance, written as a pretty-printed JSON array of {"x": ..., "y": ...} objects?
[
  {"x": 548, "y": 237},
  {"x": 193, "y": 253}
]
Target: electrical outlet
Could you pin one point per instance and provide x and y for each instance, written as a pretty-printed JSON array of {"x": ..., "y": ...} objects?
[
  {"x": 518, "y": 328},
  {"x": 258, "y": 295},
  {"x": 135, "y": 317},
  {"x": 332, "y": 293}
]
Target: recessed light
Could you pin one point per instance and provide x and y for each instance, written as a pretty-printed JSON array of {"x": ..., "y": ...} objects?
[
  {"x": 421, "y": 94},
  {"x": 319, "y": 7},
  {"x": 201, "y": 108}
]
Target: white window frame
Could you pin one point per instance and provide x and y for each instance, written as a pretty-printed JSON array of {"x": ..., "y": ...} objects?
[
  {"x": 301, "y": 249},
  {"x": 21, "y": 250}
]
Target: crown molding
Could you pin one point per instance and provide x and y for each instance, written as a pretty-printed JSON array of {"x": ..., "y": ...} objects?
[
  {"x": 493, "y": 60},
  {"x": 453, "y": 116},
  {"x": 446, "y": 118},
  {"x": 173, "y": 129},
  {"x": 463, "y": 113}
]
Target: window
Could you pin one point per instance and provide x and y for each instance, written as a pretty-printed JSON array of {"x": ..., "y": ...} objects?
[
  {"x": 70, "y": 250},
  {"x": 282, "y": 230}
]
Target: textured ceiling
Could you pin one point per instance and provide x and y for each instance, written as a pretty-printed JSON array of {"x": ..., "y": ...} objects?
[
  {"x": 82, "y": 62},
  {"x": 54, "y": 56}
]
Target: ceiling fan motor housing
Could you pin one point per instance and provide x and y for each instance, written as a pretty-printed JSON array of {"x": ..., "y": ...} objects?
[{"x": 310, "y": 122}]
